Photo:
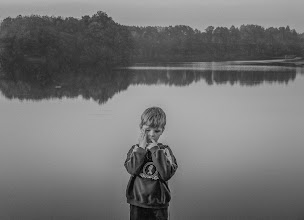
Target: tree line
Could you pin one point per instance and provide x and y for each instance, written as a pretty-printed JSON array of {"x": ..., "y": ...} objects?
[
  {"x": 43, "y": 45},
  {"x": 63, "y": 44},
  {"x": 182, "y": 43}
]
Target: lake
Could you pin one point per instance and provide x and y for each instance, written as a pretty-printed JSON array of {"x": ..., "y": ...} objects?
[{"x": 237, "y": 132}]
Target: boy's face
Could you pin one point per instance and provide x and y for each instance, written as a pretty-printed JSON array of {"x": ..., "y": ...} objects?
[{"x": 152, "y": 133}]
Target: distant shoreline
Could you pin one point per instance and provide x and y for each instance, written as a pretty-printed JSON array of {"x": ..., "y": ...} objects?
[{"x": 294, "y": 62}]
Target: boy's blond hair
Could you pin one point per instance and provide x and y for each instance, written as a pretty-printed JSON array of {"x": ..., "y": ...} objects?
[{"x": 153, "y": 117}]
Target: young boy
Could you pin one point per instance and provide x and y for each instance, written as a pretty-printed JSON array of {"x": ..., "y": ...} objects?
[{"x": 151, "y": 165}]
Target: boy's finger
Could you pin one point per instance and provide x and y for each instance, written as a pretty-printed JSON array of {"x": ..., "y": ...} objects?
[{"x": 154, "y": 142}]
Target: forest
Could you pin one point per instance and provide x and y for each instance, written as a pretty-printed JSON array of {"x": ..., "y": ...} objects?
[
  {"x": 43, "y": 45},
  {"x": 182, "y": 43}
]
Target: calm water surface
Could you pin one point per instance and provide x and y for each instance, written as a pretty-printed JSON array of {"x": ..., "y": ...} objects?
[{"x": 237, "y": 133}]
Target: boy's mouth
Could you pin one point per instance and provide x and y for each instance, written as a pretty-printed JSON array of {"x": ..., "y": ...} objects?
[{"x": 149, "y": 140}]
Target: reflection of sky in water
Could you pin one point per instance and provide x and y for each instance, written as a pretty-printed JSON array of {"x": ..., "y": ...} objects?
[{"x": 239, "y": 149}]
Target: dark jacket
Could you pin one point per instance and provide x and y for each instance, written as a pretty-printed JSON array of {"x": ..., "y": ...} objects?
[{"x": 150, "y": 170}]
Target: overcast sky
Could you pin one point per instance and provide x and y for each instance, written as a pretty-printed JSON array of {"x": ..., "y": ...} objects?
[{"x": 195, "y": 13}]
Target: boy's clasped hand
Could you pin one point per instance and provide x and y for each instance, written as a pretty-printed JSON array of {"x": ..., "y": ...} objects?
[{"x": 143, "y": 140}]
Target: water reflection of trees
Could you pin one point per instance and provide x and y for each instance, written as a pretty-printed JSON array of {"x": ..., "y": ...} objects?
[
  {"x": 252, "y": 78},
  {"x": 103, "y": 85},
  {"x": 186, "y": 77},
  {"x": 99, "y": 86}
]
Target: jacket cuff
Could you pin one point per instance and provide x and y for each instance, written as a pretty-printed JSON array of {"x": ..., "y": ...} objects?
[
  {"x": 139, "y": 149},
  {"x": 154, "y": 149}
]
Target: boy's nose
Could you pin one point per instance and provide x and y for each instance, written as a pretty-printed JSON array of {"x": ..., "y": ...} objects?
[{"x": 151, "y": 133}]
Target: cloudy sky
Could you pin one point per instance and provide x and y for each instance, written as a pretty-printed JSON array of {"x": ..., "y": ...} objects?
[{"x": 195, "y": 13}]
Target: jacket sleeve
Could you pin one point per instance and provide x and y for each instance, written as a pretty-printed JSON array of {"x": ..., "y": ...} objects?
[
  {"x": 164, "y": 161},
  {"x": 135, "y": 159}
]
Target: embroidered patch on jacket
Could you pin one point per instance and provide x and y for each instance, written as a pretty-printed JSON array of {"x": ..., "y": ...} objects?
[{"x": 149, "y": 171}]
